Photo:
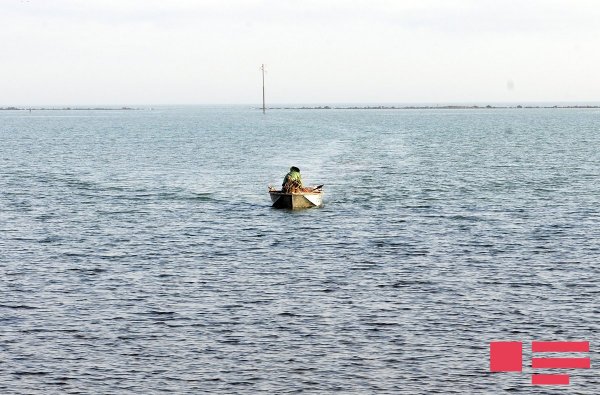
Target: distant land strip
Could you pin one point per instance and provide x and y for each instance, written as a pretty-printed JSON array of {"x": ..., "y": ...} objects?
[
  {"x": 66, "y": 108},
  {"x": 449, "y": 107},
  {"x": 453, "y": 107}
]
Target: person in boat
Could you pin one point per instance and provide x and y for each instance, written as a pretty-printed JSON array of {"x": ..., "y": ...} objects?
[{"x": 292, "y": 181}]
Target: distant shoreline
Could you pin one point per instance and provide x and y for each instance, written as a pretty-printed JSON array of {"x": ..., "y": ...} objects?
[
  {"x": 452, "y": 107},
  {"x": 445, "y": 107},
  {"x": 65, "y": 108}
]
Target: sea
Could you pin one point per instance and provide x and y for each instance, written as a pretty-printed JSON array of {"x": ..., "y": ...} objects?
[{"x": 140, "y": 254}]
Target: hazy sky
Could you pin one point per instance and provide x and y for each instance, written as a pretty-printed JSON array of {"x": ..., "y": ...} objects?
[{"x": 209, "y": 52}]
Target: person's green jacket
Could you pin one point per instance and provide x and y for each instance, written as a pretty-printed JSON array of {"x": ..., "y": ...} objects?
[{"x": 292, "y": 180}]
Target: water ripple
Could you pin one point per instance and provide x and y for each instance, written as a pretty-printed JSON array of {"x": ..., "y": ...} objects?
[{"x": 140, "y": 254}]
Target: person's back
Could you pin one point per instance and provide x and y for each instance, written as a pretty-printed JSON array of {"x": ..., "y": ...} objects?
[{"x": 292, "y": 181}]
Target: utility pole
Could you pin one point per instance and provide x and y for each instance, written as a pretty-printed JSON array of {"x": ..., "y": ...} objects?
[{"x": 263, "y": 81}]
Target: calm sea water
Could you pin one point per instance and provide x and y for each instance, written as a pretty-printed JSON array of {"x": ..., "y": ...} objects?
[{"x": 139, "y": 253}]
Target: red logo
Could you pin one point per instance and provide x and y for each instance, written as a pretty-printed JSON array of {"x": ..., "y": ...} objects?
[{"x": 508, "y": 357}]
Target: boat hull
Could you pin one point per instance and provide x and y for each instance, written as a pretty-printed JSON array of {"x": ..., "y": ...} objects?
[{"x": 295, "y": 201}]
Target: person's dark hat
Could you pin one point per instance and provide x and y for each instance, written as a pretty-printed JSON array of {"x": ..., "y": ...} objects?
[{"x": 294, "y": 168}]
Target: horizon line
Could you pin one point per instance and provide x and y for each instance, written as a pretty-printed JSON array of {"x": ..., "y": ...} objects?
[{"x": 278, "y": 104}]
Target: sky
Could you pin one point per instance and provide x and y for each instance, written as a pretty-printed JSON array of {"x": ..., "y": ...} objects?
[{"x": 134, "y": 52}]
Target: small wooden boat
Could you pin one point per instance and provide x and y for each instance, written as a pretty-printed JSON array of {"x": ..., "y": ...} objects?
[{"x": 307, "y": 198}]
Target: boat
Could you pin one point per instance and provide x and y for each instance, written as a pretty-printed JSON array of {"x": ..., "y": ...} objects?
[{"x": 306, "y": 198}]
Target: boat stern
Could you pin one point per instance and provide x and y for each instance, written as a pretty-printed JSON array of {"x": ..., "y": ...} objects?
[{"x": 296, "y": 201}]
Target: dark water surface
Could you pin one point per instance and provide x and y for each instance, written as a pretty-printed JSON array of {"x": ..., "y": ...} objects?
[{"x": 139, "y": 254}]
